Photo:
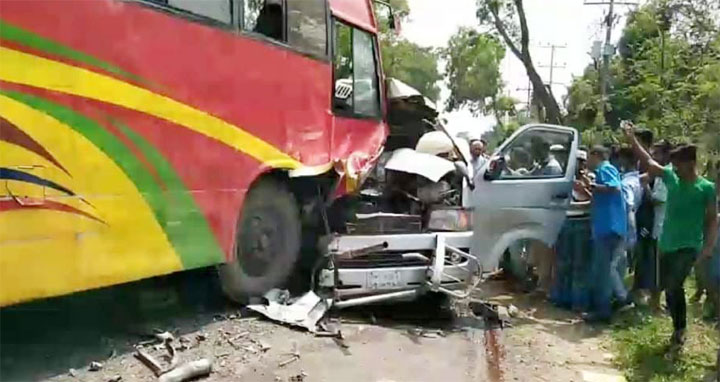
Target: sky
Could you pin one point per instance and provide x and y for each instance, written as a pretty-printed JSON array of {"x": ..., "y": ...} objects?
[{"x": 567, "y": 23}]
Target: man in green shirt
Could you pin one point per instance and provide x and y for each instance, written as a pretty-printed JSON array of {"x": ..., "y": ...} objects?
[{"x": 690, "y": 227}]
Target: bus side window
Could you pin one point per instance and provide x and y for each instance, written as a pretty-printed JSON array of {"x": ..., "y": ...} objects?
[
  {"x": 343, "y": 97},
  {"x": 218, "y": 10},
  {"x": 264, "y": 17},
  {"x": 355, "y": 73},
  {"x": 365, "y": 75},
  {"x": 307, "y": 25}
]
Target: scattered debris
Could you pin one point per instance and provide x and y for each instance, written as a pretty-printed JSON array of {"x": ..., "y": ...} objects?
[
  {"x": 115, "y": 378},
  {"x": 426, "y": 333},
  {"x": 295, "y": 355},
  {"x": 194, "y": 369},
  {"x": 289, "y": 360},
  {"x": 340, "y": 341},
  {"x": 298, "y": 377},
  {"x": 503, "y": 314},
  {"x": 72, "y": 373},
  {"x": 336, "y": 334},
  {"x": 200, "y": 337},
  {"x": 164, "y": 336},
  {"x": 304, "y": 311},
  {"x": 232, "y": 343},
  {"x": 264, "y": 346},
  {"x": 433, "y": 333},
  {"x": 513, "y": 311},
  {"x": 149, "y": 361},
  {"x": 591, "y": 376},
  {"x": 95, "y": 366}
]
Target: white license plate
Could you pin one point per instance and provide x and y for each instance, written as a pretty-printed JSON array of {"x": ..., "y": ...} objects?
[{"x": 384, "y": 280}]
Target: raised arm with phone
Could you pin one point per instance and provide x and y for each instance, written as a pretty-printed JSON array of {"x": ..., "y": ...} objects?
[{"x": 654, "y": 168}]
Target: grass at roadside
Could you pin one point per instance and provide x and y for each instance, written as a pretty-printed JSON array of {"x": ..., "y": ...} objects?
[{"x": 640, "y": 340}]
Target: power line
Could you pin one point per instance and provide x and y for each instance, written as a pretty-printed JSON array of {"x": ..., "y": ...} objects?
[{"x": 552, "y": 65}]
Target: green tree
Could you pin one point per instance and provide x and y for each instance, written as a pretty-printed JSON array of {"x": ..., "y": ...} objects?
[
  {"x": 412, "y": 64},
  {"x": 473, "y": 72},
  {"x": 666, "y": 77},
  {"x": 404, "y": 60},
  {"x": 507, "y": 18}
]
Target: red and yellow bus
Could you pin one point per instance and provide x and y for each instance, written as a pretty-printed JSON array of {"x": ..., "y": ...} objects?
[{"x": 145, "y": 137}]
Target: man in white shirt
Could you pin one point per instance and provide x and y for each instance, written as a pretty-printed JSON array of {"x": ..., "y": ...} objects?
[
  {"x": 477, "y": 153},
  {"x": 647, "y": 272},
  {"x": 545, "y": 162}
]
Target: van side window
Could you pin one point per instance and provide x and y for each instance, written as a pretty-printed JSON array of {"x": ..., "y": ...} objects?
[
  {"x": 264, "y": 17},
  {"x": 537, "y": 154},
  {"x": 356, "y": 77},
  {"x": 219, "y": 10},
  {"x": 307, "y": 25}
]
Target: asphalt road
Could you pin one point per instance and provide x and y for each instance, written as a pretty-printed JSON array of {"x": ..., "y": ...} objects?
[{"x": 421, "y": 341}]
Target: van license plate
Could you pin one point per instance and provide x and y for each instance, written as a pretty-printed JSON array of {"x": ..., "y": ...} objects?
[{"x": 384, "y": 279}]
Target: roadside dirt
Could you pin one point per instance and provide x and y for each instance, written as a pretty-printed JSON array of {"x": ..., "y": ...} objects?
[{"x": 421, "y": 341}]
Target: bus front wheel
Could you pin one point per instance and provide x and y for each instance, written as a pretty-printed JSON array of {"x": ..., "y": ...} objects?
[{"x": 267, "y": 242}]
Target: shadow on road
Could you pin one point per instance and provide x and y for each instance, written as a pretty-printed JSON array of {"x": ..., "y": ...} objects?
[{"x": 47, "y": 337}]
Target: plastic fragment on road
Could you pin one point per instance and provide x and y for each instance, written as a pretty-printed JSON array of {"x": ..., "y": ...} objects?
[
  {"x": 592, "y": 376},
  {"x": 186, "y": 371},
  {"x": 305, "y": 311},
  {"x": 95, "y": 366}
]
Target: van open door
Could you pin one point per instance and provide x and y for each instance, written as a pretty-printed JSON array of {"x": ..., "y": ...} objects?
[{"x": 524, "y": 190}]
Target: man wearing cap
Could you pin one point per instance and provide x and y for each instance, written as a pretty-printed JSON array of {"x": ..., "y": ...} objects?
[
  {"x": 546, "y": 164},
  {"x": 477, "y": 153},
  {"x": 690, "y": 228}
]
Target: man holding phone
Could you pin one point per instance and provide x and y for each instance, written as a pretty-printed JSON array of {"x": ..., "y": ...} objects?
[
  {"x": 690, "y": 228},
  {"x": 609, "y": 227}
]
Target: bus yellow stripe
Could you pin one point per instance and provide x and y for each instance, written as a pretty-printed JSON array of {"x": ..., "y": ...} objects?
[
  {"x": 22, "y": 68},
  {"x": 47, "y": 253}
]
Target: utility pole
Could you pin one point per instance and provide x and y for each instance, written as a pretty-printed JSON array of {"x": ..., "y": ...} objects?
[
  {"x": 552, "y": 65},
  {"x": 528, "y": 103},
  {"x": 607, "y": 49}
]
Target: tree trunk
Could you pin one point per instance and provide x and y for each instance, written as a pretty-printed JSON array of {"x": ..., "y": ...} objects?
[
  {"x": 552, "y": 110},
  {"x": 522, "y": 52}
]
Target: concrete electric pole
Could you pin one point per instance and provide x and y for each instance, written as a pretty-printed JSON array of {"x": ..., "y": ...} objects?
[{"x": 608, "y": 49}]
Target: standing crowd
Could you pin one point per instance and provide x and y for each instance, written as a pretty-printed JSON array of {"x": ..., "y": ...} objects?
[{"x": 652, "y": 214}]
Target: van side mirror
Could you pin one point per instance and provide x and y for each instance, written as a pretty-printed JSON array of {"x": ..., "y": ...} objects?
[{"x": 495, "y": 168}]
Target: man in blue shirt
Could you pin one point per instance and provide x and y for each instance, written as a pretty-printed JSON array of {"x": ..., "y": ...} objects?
[{"x": 609, "y": 227}]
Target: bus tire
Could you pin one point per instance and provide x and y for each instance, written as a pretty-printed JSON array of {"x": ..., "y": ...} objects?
[{"x": 267, "y": 242}]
